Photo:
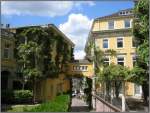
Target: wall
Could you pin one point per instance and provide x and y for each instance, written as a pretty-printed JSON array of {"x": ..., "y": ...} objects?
[
  {"x": 88, "y": 73},
  {"x": 8, "y": 64},
  {"x": 48, "y": 88},
  {"x": 99, "y": 25},
  {"x": 127, "y": 51}
]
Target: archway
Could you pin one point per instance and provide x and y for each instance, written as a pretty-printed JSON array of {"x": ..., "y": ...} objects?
[{"x": 81, "y": 93}]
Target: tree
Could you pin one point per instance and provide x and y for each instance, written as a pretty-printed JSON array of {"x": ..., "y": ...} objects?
[
  {"x": 31, "y": 55},
  {"x": 115, "y": 74},
  {"x": 141, "y": 33}
]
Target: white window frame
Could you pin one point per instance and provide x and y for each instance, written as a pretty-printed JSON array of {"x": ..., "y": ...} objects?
[
  {"x": 133, "y": 60},
  {"x": 140, "y": 93},
  {"x": 117, "y": 43},
  {"x": 113, "y": 26},
  {"x": 108, "y": 59},
  {"x": 123, "y": 61},
  {"x": 129, "y": 22},
  {"x": 103, "y": 43},
  {"x": 85, "y": 68}
]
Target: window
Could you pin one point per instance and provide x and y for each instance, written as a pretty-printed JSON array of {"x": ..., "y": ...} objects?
[
  {"x": 105, "y": 43},
  {"x": 120, "y": 61},
  {"x": 111, "y": 24},
  {"x": 119, "y": 42},
  {"x": 85, "y": 68},
  {"x": 6, "y": 53},
  {"x": 77, "y": 68},
  {"x": 134, "y": 60},
  {"x": 127, "y": 23},
  {"x": 134, "y": 43},
  {"x": 137, "y": 89},
  {"x": 106, "y": 61}
]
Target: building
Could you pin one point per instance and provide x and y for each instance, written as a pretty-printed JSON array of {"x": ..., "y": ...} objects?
[
  {"x": 115, "y": 32},
  {"x": 51, "y": 85},
  {"x": 81, "y": 68},
  {"x": 8, "y": 63}
]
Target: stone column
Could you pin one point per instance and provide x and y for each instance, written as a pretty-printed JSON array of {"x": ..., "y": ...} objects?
[{"x": 123, "y": 96}]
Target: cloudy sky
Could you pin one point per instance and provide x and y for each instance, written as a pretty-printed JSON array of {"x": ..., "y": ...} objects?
[{"x": 74, "y": 19}]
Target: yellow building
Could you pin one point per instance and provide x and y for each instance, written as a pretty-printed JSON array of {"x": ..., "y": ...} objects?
[
  {"x": 8, "y": 62},
  {"x": 115, "y": 32},
  {"x": 81, "y": 68},
  {"x": 47, "y": 87}
]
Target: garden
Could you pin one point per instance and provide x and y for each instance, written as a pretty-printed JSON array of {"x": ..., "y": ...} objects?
[{"x": 59, "y": 104}]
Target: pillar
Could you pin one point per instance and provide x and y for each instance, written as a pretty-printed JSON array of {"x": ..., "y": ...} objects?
[{"x": 123, "y": 96}]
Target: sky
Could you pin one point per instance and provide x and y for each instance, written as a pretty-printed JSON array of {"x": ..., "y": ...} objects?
[{"x": 73, "y": 18}]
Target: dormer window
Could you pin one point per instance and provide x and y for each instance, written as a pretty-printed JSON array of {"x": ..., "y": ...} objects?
[
  {"x": 127, "y": 23},
  {"x": 125, "y": 12}
]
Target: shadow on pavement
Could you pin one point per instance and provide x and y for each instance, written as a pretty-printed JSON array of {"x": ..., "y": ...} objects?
[{"x": 79, "y": 109}]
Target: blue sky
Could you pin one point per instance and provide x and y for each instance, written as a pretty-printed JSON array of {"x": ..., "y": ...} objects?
[{"x": 65, "y": 15}]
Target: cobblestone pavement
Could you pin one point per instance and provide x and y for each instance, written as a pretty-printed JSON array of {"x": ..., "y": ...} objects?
[{"x": 79, "y": 105}]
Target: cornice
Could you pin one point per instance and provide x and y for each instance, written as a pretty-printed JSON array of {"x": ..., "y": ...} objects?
[{"x": 115, "y": 33}]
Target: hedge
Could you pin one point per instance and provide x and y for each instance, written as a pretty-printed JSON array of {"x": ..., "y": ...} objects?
[
  {"x": 16, "y": 96},
  {"x": 60, "y": 104}
]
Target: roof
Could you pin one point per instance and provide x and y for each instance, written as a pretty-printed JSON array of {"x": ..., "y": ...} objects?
[
  {"x": 51, "y": 26},
  {"x": 6, "y": 33},
  {"x": 121, "y": 13},
  {"x": 84, "y": 61},
  {"x": 61, "y": 33}
]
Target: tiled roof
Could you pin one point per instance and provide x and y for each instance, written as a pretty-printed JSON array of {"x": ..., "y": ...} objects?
[{"x": 120, "y": 13}]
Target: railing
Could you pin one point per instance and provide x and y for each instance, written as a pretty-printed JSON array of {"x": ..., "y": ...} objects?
[{"x": 104, "y": 106}]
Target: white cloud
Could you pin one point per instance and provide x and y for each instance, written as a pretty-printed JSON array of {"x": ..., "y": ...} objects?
[
  {"x": 77, "y": 28},
  {"x": 40, "y": 8},
  {"x": 79, "y": 54}
]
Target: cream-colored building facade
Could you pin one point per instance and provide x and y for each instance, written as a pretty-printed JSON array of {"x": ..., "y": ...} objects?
[{"x": 115, "y": 32}]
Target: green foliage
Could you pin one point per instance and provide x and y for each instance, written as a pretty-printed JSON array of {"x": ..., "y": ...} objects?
[
  {"x": 111, "y": 52},
  {"x": 88, "y": 90},
  {"x": 141, "y": 33},
  {"x": 136, "y": 73},
  {"x": 16, "y": 96},
  {"x": 115, "y": 72},
  {"x": 143, "y": 52},
  {"x": 23, "y": 94},
  {"x": 35, "y": 47},
  {"x": 141, "y": 22},
  {"x": 59, "y": 104}
]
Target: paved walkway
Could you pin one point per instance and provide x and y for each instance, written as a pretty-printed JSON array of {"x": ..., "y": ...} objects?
[{"x": 79, "y": 105}]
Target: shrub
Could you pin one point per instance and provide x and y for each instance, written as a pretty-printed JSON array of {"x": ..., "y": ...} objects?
[
  {"x": 22, "y": 95},
  {"x": 16, "y": 96},
  {"x": 59, "y": 104}
]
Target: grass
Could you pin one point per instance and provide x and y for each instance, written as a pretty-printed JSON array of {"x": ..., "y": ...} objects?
[
  {"x": 21, "y": 108},
  {"x": 59, "y": 104}
]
